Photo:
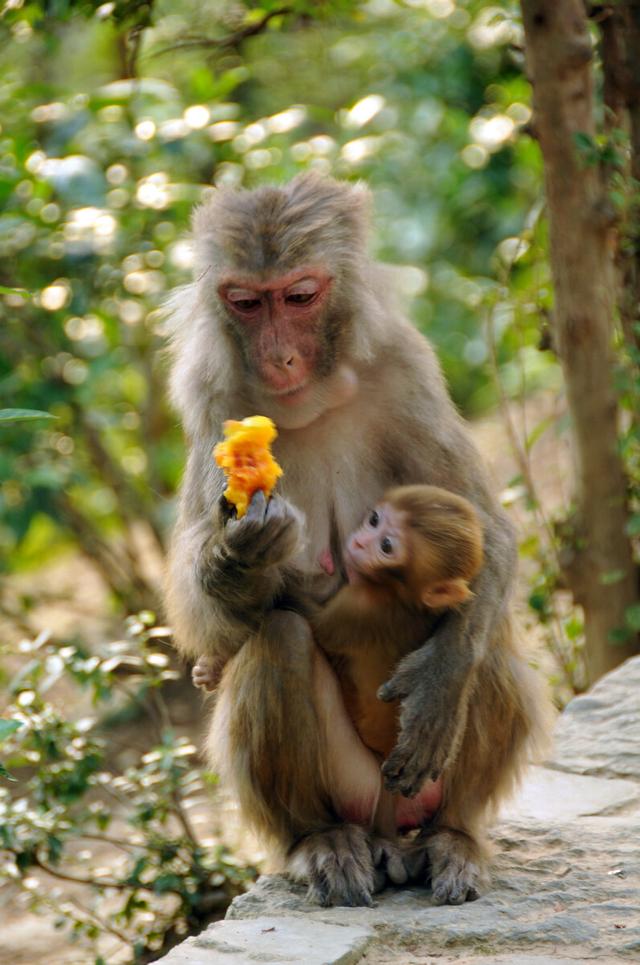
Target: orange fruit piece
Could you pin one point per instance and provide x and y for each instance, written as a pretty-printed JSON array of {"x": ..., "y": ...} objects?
[{"x": 245, "y": 456}]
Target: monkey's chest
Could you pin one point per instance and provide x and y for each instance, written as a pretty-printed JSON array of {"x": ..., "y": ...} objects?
[
  {"x": 334, "y": 492},
  {"x": 375, "y": 721}
]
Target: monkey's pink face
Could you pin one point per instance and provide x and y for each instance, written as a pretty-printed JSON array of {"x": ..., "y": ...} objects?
[
  {"x": 281, "y": 322},
  {"x": 379, "y": 545}
]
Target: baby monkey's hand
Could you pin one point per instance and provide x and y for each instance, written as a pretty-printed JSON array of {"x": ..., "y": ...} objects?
[{"x": 206, "y": 673}]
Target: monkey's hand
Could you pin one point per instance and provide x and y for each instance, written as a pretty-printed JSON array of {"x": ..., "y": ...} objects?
[
  {"x": 269, "y": 533},
  {"x": 206, "y": 673},
  {"x": 433, "y": 689}
]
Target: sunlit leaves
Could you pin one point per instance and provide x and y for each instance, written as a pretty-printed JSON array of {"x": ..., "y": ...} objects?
[
  {"x": 123, "y": 831},
  {"x": 23, "y": 415}
]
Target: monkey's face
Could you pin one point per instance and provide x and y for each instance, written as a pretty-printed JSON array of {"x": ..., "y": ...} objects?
[
  {"x": 283, "y": 327},
  {"x": 378, "y": 550},
  {"x": 279, "y": 321}
]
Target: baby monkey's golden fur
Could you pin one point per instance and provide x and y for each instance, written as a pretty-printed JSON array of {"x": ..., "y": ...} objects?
[{"x": 370, "y": 625}]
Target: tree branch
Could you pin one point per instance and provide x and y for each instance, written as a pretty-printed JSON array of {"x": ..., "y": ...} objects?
[{"x": 232, "y": 40}]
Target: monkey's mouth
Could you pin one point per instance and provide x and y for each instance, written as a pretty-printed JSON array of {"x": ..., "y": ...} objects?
[{"x": 293, "y": 396}]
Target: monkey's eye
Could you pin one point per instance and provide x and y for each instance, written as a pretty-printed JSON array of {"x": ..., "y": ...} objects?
[
  {"x": 302, "y": 292},
  {"x": 300, "y": 298},
  {"x": 374, "y": 519},
  {"x": 244, "y": 301},
  {"x": 386, "y": 546}
]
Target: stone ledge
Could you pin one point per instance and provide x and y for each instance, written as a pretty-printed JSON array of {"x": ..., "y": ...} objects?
[
  {"x": 566, "y": 883},
  {"x": 274, "y": 940}
]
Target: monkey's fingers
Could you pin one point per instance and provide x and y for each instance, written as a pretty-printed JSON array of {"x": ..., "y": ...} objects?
[
  {"x": 257, "y": 508},
  {"x": 397, "y": 688},
  {"x": 406, "y": 771},
  {"x": 406, "y": 677},
  {"x": 388, "y": 858},
  {"x": 206, "y": 677},
  {"x": 227, "y": 509}
]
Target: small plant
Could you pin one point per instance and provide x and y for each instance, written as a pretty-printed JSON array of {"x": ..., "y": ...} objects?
[{"x": 109, "y": 851}]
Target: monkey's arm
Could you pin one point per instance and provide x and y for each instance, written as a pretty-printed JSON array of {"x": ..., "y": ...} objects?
[
  {"x": 225, "y": 573},
  {"x": 436, "y": 681}
]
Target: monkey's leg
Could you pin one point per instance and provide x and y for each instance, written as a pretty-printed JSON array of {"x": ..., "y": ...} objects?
[
  {"x": 282, "y": 737},
  {"x": 507, "y": 717},
  {"x": 336, "y": 862}
]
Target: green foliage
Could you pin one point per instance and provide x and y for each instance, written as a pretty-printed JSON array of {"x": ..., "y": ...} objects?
[
  {"x": 76, "y": 815},
  {"x": 23, "y": 415},
  {"x": 110, "y": 135}
]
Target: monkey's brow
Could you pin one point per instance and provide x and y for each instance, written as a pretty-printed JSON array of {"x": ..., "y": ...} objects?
[{"x": 252, "y": 283}]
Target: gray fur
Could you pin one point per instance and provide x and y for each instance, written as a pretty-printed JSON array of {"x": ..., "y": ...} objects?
[{"x": 338, "y": 457}]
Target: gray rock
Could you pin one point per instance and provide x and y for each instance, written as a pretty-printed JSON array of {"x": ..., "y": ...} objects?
[
  {"x": 274, "y": 941},
  {"x": 567, "y": 886},
  {"x": 599, "y": 733},
  {"x": 566, "y": 883},
  {"x": 549, "y": 796}
]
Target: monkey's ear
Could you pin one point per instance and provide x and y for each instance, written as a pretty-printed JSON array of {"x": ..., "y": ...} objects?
[{"x": 446, "y": 593}]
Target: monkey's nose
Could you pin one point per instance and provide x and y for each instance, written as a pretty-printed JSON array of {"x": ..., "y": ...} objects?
[{"x": 285, "y": 370}]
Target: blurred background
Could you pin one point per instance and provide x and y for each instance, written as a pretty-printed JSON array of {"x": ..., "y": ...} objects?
[{"x": 116, "y": 119}]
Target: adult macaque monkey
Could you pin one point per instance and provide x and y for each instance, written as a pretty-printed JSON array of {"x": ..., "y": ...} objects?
[{"x": 289, "y": 317}]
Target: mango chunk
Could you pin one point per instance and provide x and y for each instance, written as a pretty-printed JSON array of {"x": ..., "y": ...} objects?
[{"x": 245, "y": 456}]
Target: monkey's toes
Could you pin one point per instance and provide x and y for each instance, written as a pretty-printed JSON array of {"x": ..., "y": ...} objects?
[
  {"x": 389, "y": 859},
  {"x": 455, "y": 889},
  {"x": 458, "y": 869},
  {"x": 337, "y": 865}
]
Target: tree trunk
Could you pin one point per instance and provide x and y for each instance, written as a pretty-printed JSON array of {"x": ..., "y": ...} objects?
[{"x": 602, "y": 573}]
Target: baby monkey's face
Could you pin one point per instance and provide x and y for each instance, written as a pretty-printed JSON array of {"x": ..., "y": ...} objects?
[{"x": 378, "y": 546}]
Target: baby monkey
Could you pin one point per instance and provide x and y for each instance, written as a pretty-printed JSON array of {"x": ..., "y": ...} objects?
[{"x": 414, "y": 554}]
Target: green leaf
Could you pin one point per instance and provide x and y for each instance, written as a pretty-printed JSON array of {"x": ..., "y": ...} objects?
[
  {"x": 574, "y": 628},
  {"x": 23, "y": 415},
  {"x": 167, "y": 882},
  {"x": 5, "y": 773},
  {"x": 632, "y": 617},
  {"x": 538, "y": 431},
  {"x": 613, "y": 576},
  {"x": 586, "y": 147},
  {"x": 8, "y": 727},
  {"x": 633, "y": 525},
  {"x": 619, "y": 636},
  {"x": 14, "y": 291}
]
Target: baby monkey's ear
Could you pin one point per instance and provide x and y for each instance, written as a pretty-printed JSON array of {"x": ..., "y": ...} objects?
[{"x": 446, "y": 593}]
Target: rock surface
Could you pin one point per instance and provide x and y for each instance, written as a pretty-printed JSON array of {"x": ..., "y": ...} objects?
[
  {"x": 275, "y": 939},
  {"x": 566, "y": 883}
]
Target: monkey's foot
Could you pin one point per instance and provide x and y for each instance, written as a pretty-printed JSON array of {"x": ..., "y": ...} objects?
[
  {"x": 337, "y": 865},
  {"x": 389, "y": 862},
  {"x": 458, "y": 867}
]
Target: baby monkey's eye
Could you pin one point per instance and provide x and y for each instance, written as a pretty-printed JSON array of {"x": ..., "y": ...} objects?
[
  {"x": 374, "y": 519},
  {"x": 386, "y": 546}
]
